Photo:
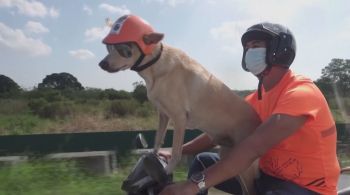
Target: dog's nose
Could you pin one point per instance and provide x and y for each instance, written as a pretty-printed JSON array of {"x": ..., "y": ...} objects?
[{"x": 103, "y": 64}]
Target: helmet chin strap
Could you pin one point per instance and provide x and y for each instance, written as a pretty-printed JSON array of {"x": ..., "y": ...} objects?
[
  {"x": 137, "y": 67},
  {"x": 259, "y": 87},
  {"x": 138, "y": 62},
  {"x": 261, "y": 78}
]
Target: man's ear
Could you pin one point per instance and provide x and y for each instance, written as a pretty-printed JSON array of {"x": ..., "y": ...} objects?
[{"x": 152, "y": 38}]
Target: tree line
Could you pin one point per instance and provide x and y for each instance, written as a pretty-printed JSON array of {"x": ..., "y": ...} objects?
[
  {"x": 65, "y": 84},
  {"x": 61, "y": 95},
  {"x": 334, "y": 83},
  {"x": 335, "y": 80}
]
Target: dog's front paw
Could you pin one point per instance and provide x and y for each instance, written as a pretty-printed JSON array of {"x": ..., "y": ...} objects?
[
  {"x": 170, "y": 167},
  {"x": 155, "y": 150}
]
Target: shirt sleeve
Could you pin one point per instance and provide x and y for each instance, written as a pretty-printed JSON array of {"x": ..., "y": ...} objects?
[{"x": 298, "y": 101}]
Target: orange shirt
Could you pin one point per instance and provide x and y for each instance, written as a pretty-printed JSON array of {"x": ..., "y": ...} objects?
[{"x": 308, "y": 157}]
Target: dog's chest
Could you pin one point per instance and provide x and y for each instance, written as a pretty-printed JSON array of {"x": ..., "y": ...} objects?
[{"x": 190, "y": 122}]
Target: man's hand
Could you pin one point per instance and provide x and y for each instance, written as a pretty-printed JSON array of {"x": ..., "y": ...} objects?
[
  {"x": 165, "y": 153},
  {"x": 181, "y": 188}
]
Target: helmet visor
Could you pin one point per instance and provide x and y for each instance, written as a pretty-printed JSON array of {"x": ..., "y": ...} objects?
[
  {"x": 274, "y": 29},
  {"x": 124, "y": 49}
]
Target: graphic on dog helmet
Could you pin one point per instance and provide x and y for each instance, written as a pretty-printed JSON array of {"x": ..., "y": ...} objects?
[
  {"x": 130, "y": 28},
  {"x": 280, "y": 43},
  {"x": 118, "y": 24}
]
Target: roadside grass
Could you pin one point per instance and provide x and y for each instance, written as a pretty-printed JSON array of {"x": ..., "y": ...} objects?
[
  {"x": 47, "y": 177},
  {"x": 20, "y": 117},
  {"x": 33, "y": 116},
  {"x": 24, "y": 124},
  {"x": 344, "y": 159},
  {"x": 65, "y": 177},
  {"x": 19, "y": 124}
]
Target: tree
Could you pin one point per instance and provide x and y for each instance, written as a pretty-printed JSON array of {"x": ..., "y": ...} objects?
[
  {"x": 8, "y": 86},
  {"x": 335, "y": 78},
  {"x": 140, "y": 92},
  {"x": 112, "y": 94},
  {"x": 60, "y": 81}
]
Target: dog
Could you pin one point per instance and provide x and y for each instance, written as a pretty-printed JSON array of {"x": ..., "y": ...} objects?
[{"x": 183, "y": 91}]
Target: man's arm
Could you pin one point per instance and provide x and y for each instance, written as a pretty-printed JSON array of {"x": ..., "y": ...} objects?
[
  {"x": 199, "y": 144},
  {"x": 240, "y": 157},
  {"x": 267, "y": 135}
]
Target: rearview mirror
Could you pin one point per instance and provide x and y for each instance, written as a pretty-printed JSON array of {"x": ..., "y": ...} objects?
[{"x": 140, "y": 141}]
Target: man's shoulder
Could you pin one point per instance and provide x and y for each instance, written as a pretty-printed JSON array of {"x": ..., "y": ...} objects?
[
  {"x": 300, "y": 82},
  {"x": 251, "y": 97},
  {"x": 299, "y": 78}
]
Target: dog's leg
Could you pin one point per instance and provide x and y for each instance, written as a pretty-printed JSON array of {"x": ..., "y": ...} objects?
[
  {"x": 178, "y": 138},
  {"x": 163, "y": 124}
]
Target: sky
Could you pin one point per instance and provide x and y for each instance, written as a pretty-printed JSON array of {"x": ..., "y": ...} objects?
[{"x": 38, "y": 38}]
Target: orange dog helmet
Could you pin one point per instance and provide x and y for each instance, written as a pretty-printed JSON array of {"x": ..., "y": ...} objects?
[{"x": 130, "y": 28}]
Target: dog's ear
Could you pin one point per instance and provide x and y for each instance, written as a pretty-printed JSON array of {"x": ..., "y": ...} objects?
[{"x": 152, "y": 38}]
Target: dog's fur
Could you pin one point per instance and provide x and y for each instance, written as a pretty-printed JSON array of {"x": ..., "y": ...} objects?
[{"x": 185, "y": 92}]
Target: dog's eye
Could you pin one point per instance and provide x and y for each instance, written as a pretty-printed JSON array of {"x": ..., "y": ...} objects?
[{"x": 124, "y": 50}]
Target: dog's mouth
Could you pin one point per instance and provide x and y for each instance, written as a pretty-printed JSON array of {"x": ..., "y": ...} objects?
[
  {"x": 109, "y": 68},
  {"x": 115, "y": 70}
]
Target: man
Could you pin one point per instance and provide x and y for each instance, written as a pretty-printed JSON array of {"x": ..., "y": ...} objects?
[{"x": 296, "y": 142}]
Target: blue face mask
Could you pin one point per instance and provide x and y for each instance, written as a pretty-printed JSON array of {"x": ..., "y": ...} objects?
[{"x": 255, "y": 60}]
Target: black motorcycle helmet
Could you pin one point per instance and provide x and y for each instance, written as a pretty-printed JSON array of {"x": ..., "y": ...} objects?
[{"x": 281, "y": 46}]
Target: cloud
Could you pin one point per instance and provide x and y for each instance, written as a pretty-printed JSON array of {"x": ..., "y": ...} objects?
[
  {"x": 36, "y": 27},
  {"x": 16, "y": 40},
  {"x": 96, "y": 33},
  {"x": 53, "y": 12},
  {"x": 228, "y": 34},
  {"x": 172, "y": 3},
  {"x": 274, "y": 12},
  {"x": 87, "y": 9},
  {"x": 82, "y": 54},
  {"x": 115, "y": 9},
  {"x": 30, "y": 8}
]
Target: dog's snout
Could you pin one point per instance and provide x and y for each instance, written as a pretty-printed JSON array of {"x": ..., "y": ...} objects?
[{"x": 103, "y": 64}]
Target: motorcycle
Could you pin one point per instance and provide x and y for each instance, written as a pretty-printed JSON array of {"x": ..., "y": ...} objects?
[{"x": 148, "y": 177}]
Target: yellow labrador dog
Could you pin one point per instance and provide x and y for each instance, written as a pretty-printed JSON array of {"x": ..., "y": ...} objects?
[{"x": 181, "y": 89}]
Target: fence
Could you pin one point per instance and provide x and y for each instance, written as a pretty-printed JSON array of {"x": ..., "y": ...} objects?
[{"x": 120, "y": 141}]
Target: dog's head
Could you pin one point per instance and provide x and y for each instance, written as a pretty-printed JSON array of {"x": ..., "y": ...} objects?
[{"x": 131, "y": 38}]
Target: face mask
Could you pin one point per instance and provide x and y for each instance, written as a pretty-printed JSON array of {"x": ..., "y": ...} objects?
[{"x": 255, "y": 60}]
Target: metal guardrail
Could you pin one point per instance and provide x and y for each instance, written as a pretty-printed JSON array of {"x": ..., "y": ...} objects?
[
  {"x": 120, "y": 141},
  {"x": 40, "y": 144}
]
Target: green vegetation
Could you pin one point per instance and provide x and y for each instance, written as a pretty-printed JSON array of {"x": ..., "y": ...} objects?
[
  {"x": 64, "y": 177},
  {"x": 48, "y": 110},
  {"x": 60, "y": 103},
  {"x": 344, "y": 159},
  {"x": 45, "y": 177}
]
